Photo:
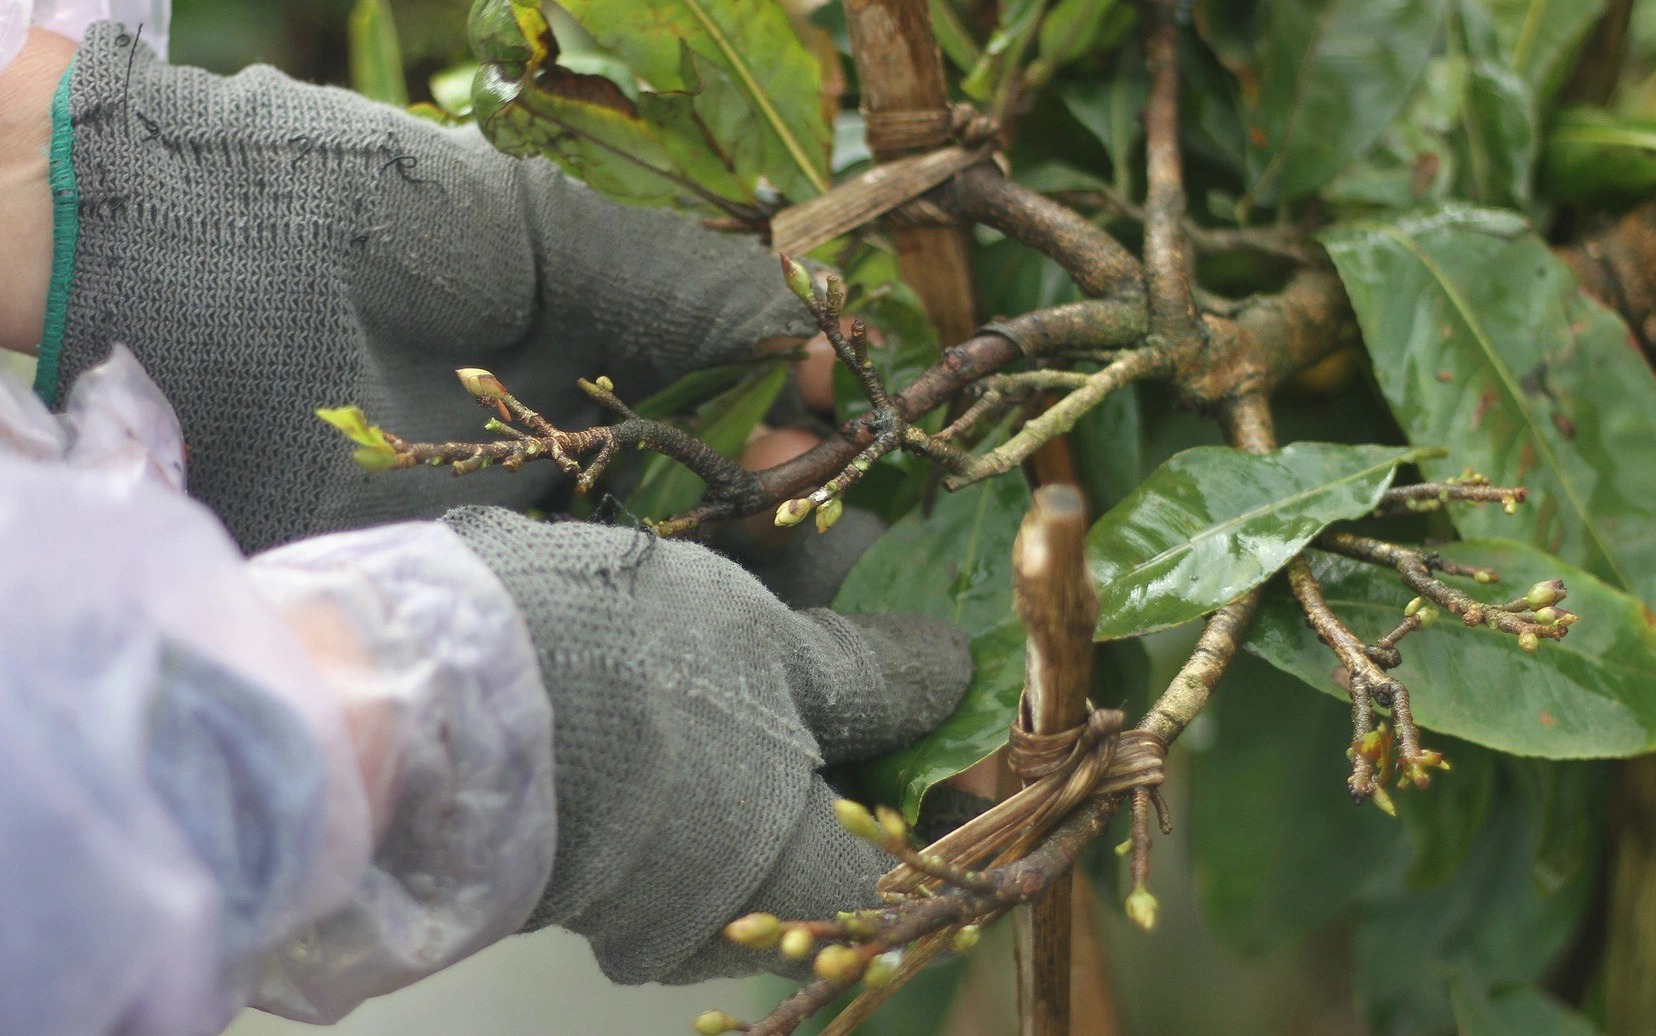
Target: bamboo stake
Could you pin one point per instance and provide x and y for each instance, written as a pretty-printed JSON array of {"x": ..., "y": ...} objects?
[
  {"x": 899, "y": 70},
  {"x": 1053, "y": 590}
]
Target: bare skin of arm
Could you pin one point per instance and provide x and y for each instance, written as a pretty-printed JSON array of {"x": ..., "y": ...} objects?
[{"x": 26, "y": 88}]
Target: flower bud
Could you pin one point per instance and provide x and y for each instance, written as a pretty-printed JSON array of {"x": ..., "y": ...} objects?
[
  {"x": 859, "y": 821},
  {"x": 1549, "y": 591},
  {"x": 712, "y": 1023},
  {"x": 1141, "y": 908},
  {"x": 829, "y": 513},
  {"x": 892, "y": 822},
  {"x": 797, "y": 942},
  {"x": 1427, "y": 615},
  {"x": 755, "y": 931},
  {"x": 480, "y": 382},
  {"x": 882, "y": 969},
  {"x": 799, "y": 280},
  {"x": 1529, "y": 642},
  {"x": 604, "y": 383},
  {"x": 1566, "y": 618},
  {"x": 1483, "y": 575},
  {"x": 792, "y": 512},
  {"x": 966, "y": 938},
  {"x": 838, "y": 964},
  {"x": 1413, "y": 606},
  {"x": 1546, "y": 616}
]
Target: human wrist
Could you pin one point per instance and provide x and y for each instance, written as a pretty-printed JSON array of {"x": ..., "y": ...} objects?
[{"x": 27, "y": 86}]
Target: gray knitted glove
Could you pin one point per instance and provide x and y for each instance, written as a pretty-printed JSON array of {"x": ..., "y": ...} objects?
[
  {"x": 689, "y": 708},
  {"x": 267, "y": 247}
]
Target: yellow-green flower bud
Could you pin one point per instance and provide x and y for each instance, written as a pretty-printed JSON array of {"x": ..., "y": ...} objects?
[
  {"x": 1484, "y": 575},
  {"x": 1566, "y": 618},
  {"x": 792, "y": 512},
  {"x": 1529, "y": 642},
  {"x": 712, "y": 1023},
  {"x": 1141, "y": 908},
  {"x": 855, "y": 818},
  {"x": 1546, "y": 616},
  {"x": 1548, "y": 591},
  {"x": 799, "y": 280},
  {"x": 892, "y": 822},
  {"x": 829, "y": 513},
  {"x": 966, "y": 938},
  {"x": 603, "y": 382},
  {"x": 882, "y": 969},
  {"x": 797, "y": 943},
  {"x": 1413, "y": 606},
  {"x": 838, "y": 964},
  {"x": 755, "y": 931},
  {"x": 1427, "y": 615}
]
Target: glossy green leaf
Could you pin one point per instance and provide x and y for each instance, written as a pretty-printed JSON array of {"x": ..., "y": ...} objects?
[
  {"x": 1498, "y": 136},
  {"x": 774, "y": 78},
  {"x": 1278, "y": 849},
  {"x": 1482, "y": 341},
  {"x": 724, "y": 423},
  {"x": 1491, "y": 920},
  {"x": 955, "y": 563},
  {"x": 1213, "y": 523},
  {"x": 1469, "y": 131},
  {"x": 375, "y": 56},
  {"x": 1074, "y": 29},
  {"x": 1586, "y": 696},
  {"x": 1331, "y": 75},
  {"x": 1538, "y": 37},
  {"x": 1594, "y": 157},
  {"x": 1526, "y": 1011}
]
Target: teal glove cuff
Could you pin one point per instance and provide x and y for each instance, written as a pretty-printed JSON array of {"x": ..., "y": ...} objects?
[{"x": 65, "y": 233}]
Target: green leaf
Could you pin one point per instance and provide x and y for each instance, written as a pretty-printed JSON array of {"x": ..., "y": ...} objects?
[
  {"x": 1112, "y": 111},
  {"x": 1539, "y": 37},
  {"x": 1586, "y": 696},
  {"x": 451, "y": 88},
  {"x": 1596, "y": 158},
  {"x": 1331, "y": 75},
  {"x": 375, "y": 453},
  {"x": 724, "y": 423},
  {"x": 1491, "y": 920},
  {"x": 1498, "y": 136},
  {"x": 776, "y": 81},
  {"x": 955, "y": 563},
  {"x": 1526, "y": 1011},
  {"x": 1278, "y": 848},
  {"x": 1213, "y": 523},
  {"x": 375, "y": 57},
  {"x": 1481, "y": 340},
  {"x": 1018, "y": 21},
  {"x": 1076, "y": 28},
  {"x": 1444, "y": 824}
]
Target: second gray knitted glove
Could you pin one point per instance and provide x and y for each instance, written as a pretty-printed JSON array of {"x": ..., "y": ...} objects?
[{"x": 690, "y": 708}]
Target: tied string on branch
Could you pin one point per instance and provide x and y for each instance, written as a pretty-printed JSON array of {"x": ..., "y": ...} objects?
[
  {"x": 1094, "y": 758},
  {"x": 947, "y": 141}
]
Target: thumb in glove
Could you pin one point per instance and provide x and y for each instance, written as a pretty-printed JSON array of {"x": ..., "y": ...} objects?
[{"x": 690, "y": 709}]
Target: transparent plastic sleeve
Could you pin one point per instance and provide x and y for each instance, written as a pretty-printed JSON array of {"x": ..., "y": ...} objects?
[{"x": 323, "y": 773}]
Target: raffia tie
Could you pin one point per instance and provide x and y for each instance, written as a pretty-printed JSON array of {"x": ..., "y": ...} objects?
[
  {"x": 1061, "y": 770},
  {"x": 923, "y": 129}
]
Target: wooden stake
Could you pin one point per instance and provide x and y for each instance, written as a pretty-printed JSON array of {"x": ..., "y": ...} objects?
[
  {"x": 899, "y": 69},
  {"x": 1054, "y": 593}
]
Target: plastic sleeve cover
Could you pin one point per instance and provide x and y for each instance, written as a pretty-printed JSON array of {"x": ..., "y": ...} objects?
[
  {"x": 199, "y": 754},
  {"x": 435, "y": 657},
  {"x": 72, "y": 17}
]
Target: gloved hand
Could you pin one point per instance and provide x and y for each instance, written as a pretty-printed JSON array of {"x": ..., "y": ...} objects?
[
  {"x": 266, "y": 247},
  {"x": 689, "y": 710}
]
